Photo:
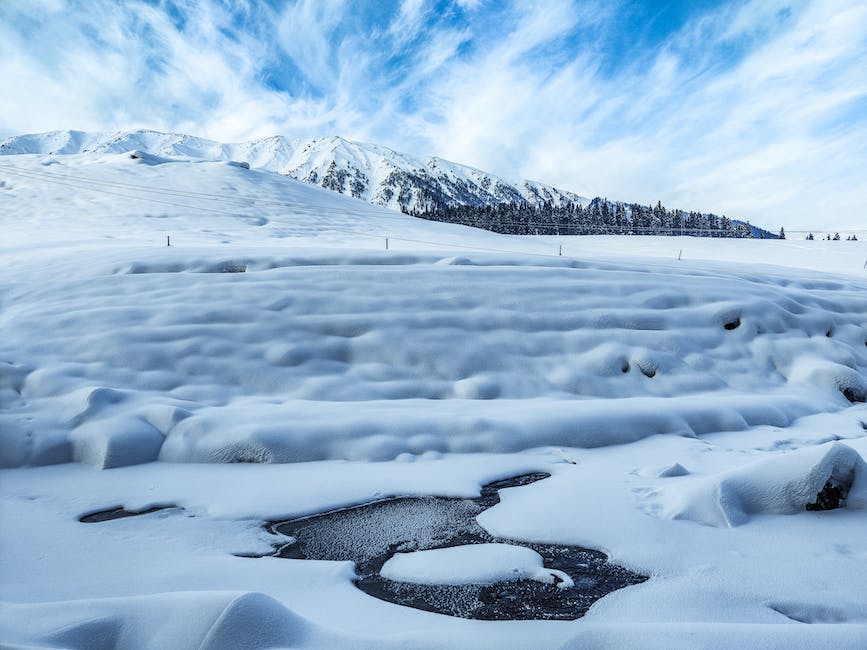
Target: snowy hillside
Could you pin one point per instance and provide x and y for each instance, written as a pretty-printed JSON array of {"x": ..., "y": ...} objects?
[
  {"x": 686, "y": 409},
  {"x": 365, "y": 171}
]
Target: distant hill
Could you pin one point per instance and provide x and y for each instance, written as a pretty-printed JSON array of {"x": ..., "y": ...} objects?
[{"x": 429, "y": 187}]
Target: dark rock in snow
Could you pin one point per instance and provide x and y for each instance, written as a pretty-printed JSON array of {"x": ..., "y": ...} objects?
[
  {"x": 829, "y": 498},
  {"x": 120, "y": 513}
]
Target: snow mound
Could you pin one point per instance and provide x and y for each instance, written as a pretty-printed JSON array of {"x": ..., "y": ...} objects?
[
  {"x": 254, "y": 620},
  {"x": 830, "y": 375},
  {"x": 818, "y": 613},
  {"x": 783, "y": 484},
  {"x": 205, "y": 620},
  {"x": 116, "y": 442},
  {"x": 148, "y": 158},
  {"x": 472, "y": 564},
  {"x": 667, "y": 471}
]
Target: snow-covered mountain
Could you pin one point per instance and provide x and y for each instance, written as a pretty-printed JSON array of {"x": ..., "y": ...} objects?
[{"x": 369, "y": 172}]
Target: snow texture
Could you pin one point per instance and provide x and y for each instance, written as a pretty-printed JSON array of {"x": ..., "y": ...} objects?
[{"x": 688, "y": 410}]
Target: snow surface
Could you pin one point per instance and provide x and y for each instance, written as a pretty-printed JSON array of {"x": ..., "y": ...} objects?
[
  {"x": 278, "y": 330},
  {"x": 472, "y": 564}
]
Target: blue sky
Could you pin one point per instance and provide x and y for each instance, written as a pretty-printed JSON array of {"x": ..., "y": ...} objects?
[{"x": 755, "y": 109}]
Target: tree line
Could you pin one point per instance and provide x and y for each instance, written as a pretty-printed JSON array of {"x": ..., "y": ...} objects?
[{"x": 599, "y": 217}]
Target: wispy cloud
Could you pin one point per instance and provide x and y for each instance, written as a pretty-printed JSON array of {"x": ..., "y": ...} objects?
[{"x": 756, "y": 109}]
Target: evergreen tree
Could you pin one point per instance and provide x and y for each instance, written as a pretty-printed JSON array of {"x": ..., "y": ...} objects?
[{"x": 600, "y": 216}]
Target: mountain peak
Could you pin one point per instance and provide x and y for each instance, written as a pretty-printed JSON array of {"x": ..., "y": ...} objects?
[{"x": 366, "y": 171}]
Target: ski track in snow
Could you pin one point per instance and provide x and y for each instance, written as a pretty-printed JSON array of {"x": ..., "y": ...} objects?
[{"x": 277, "y": 329}]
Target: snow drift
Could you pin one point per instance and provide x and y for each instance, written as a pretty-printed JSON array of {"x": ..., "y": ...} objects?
[
  {"x": 208, "y": 620},
  {"x": 783, "y": 484}
]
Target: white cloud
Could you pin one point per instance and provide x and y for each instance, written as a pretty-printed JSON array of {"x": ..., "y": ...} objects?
[
  {"x": 748, "y": 140},
  {"x": 469, "y": 5},
  {"x": 305, "y": 34},
  {"x": 409, "y": 20}
]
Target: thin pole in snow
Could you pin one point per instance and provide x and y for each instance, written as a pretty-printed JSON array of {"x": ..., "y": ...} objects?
[
  {"x": 679, "y": 253},
  {"x": 168, "y": 241},
  {"x": 386, "y": 243},
  {"x": 561, "y": 250}
]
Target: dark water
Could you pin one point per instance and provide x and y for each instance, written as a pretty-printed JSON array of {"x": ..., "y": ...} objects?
[{"x": 372, "y": 533}]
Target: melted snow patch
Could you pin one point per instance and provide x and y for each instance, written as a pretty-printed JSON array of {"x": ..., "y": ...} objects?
[{"x": 472, "y": 564}]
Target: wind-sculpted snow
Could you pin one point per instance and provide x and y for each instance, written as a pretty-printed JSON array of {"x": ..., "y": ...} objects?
[
  {"x": 209, "y": 620},
  {"x": 291, "y": 361},
  {"x": 229, "y": 347}
]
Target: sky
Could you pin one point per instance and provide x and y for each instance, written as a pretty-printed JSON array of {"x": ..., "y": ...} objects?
[{"x": 752, "y": 109}]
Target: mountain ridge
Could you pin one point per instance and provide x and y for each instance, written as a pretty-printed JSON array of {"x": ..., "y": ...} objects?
[{"x": 366, "y": 171}]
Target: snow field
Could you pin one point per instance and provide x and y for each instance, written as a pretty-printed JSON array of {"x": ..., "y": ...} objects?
[
  {"x": 751, "y": 582},
  {"x": 291, "y": 361},
  {"x": 275, "y": 332}
]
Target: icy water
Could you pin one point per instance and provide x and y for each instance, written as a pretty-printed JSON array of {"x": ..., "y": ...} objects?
[{"x": 370, "y": 534}]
